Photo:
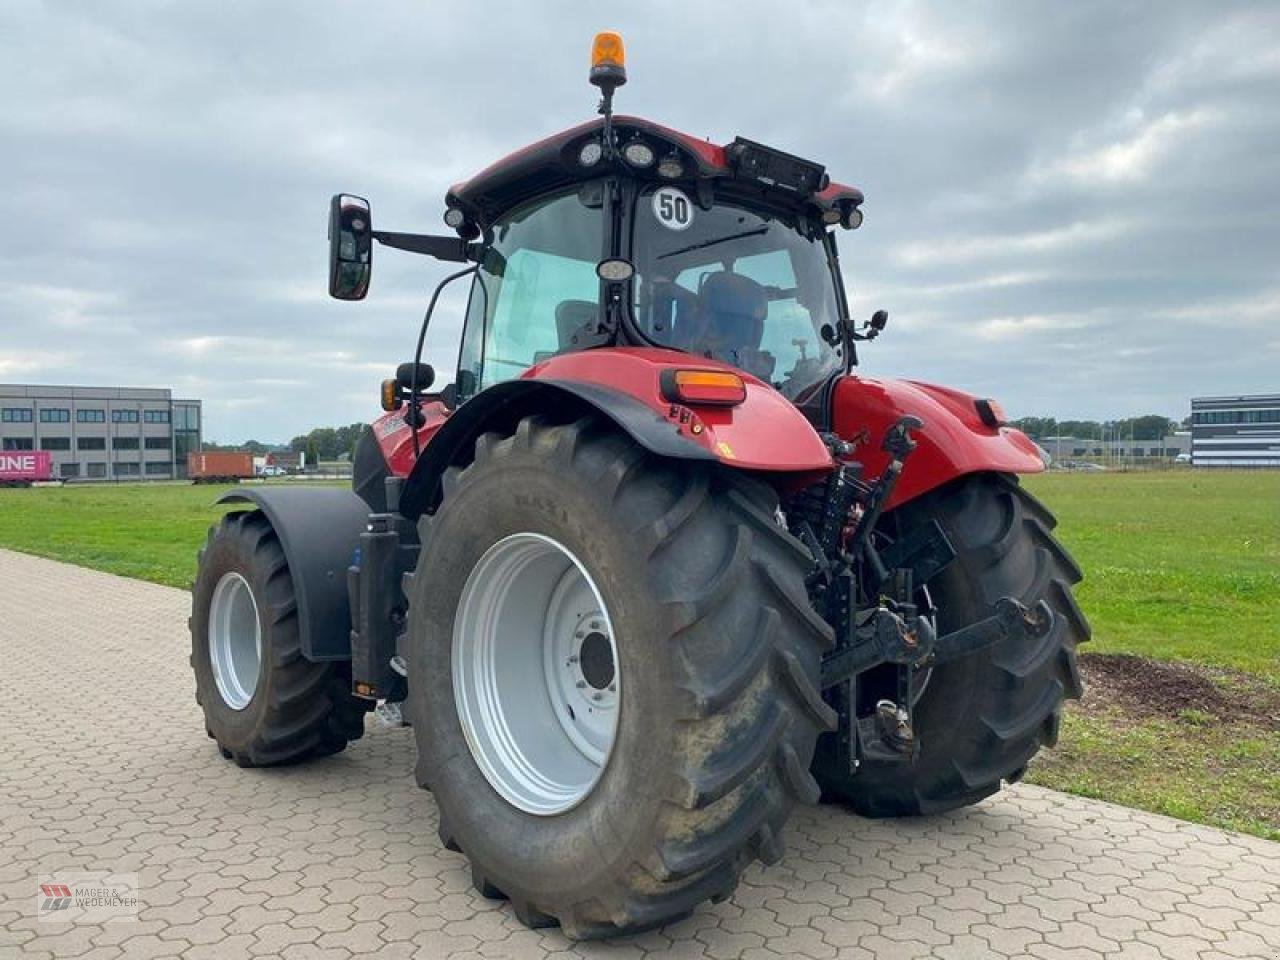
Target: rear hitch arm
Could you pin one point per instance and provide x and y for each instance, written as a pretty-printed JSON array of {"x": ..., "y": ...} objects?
[
  {"x": 1011, "y": 619},
  {"x": 885, "y": 636},
  {"x": 907, "y": 640}
]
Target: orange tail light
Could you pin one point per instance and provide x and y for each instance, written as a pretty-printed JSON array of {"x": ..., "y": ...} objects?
[{"x": 710, "y": 387}]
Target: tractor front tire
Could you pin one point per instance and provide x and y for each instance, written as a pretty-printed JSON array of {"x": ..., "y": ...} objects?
[
  {"x": 613, "y": 673},
  {"x": 264, "y": 703},
  {"x": 979, "y": 720}
]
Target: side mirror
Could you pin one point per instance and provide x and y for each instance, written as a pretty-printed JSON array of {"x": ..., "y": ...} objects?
[{"x": 350, "y": 247}]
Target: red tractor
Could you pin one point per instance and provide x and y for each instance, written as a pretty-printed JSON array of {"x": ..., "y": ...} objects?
[{"x": 657, "y": 564}]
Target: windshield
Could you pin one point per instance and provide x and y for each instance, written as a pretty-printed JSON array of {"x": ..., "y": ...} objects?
[{"x": 734, "y": 285}]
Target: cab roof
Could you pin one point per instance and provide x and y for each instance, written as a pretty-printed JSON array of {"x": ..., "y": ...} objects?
[{"x": 552, "y": 163}]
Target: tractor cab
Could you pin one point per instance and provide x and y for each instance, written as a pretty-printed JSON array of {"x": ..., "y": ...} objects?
[
  {"x": 648, "y": 252},
  {"x": 624, "y": 233}
]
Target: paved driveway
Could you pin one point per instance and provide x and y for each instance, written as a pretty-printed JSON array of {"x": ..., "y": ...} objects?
[{"x": 104, "y": 765}]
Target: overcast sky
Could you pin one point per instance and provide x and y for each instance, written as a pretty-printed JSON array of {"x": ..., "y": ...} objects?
[{"x": 1074, "y": 207}]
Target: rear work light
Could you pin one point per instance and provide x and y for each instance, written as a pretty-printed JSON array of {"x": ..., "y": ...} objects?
[{"x": 707, "y": 387}]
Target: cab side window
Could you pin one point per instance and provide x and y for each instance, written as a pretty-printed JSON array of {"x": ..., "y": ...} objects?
[{"x": 537, "y": 283}]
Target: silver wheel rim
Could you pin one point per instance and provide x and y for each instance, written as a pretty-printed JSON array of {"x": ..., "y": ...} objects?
[
  {"x": 535, "y": 673},
  {"x": 235, "y": 640}
]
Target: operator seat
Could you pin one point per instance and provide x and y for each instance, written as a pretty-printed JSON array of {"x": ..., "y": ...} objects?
[
  {"x": 573, "y": 316},
  {"x": 731, "y": 312}
]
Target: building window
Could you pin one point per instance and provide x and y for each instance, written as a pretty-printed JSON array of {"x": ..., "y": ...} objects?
[
  {"x": 15, "y": 415},
  {"x": 96, "y": 470},
  {"x": 1263, "y": 416},
  {"x": 91, "y": 443},
  {"x": 19, "y": 443},
  {"x": 1236, "y": 416},
  {"x": 160, "y": 468},
  {"x": 186, "y": 416},
  {"x": 55, "y": 443},
  {"x": 157, "y": 443},
  {"x": 155, "y": 416},
  {"x": 71, "y": 469},
  {"x": 91, "y": 416},
  {"x": 55, "y": 415},
  {"x": 126, "y": 469},
  {"x": 124, "y": 416},
  {"x": 124, "y": 443}
]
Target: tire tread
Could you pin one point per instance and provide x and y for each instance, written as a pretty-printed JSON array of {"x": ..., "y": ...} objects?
[
  {"x": 309, "y": 709},
  {"x": 748, "y": 710}
]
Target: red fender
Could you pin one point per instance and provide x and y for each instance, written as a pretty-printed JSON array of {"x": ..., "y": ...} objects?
[
  {"x": 953, "y": 442},
  {"x": 765, "y": 432}
]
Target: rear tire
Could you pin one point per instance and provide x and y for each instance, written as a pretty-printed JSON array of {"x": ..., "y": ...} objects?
[
  {"x": 981, "y": 719},
  {"x": 717, "y": 652},
  {"x": 264, "y": 703}
]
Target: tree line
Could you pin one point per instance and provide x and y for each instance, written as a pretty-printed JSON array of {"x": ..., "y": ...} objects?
[
  {"x": 1152, "y": 426},
  {"x": 322, "y": 443}
]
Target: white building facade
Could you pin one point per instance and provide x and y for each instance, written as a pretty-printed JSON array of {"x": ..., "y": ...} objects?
[{"x": 102, "y": 433}]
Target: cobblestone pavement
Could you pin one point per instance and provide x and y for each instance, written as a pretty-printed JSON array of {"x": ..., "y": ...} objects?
[{"x": 104, "y": 765}]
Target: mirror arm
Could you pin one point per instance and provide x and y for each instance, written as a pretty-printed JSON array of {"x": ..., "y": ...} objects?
[{"x": 452, "y": 249}]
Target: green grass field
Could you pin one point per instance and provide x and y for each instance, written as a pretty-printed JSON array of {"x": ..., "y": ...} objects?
[
  {"x": 1179, "y": 566},
  {"x": 148, "y": 531}
]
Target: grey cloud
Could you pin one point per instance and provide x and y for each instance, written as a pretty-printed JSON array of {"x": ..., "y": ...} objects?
[{"x": 1070, "y": 206}]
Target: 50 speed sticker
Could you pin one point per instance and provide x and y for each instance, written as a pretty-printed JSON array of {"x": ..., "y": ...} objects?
[{"x": 672, "y": 208}]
